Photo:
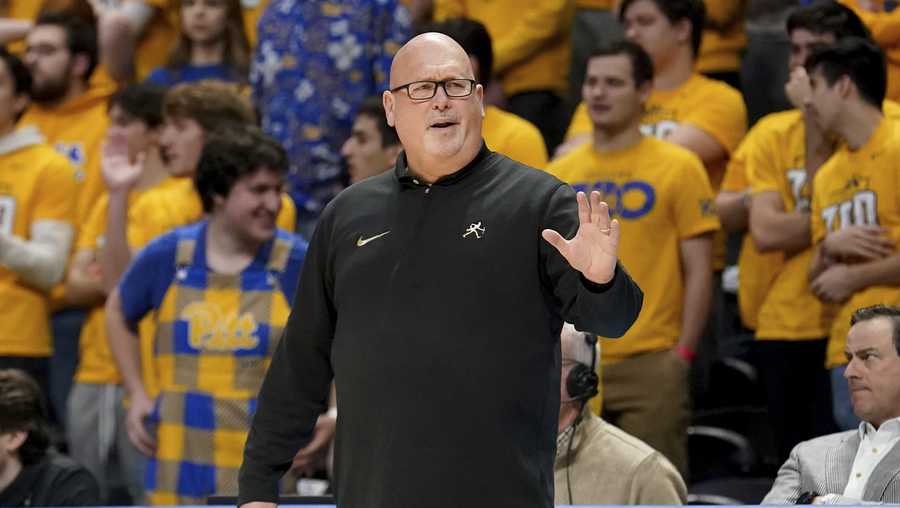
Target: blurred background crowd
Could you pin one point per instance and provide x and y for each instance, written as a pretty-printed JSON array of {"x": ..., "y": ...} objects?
[{"x": 148, "y": 149}]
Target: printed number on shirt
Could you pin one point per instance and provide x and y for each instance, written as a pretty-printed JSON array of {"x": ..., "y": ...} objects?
[
  {"x": 7, "y": 214},
  {"x": 629, "y": 200},
  {"x": 797, "y": 177},
  {"x": 860, "y": 210},
  {"x": 659, "y": 130}
]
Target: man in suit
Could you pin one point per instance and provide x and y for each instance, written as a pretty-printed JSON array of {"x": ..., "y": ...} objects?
[{"x": 861, "y": 465}]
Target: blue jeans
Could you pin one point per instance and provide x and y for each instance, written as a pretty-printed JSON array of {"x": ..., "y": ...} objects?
[
  {"x": 66, "y": 328},
  {"x": 840, "y": 400}
]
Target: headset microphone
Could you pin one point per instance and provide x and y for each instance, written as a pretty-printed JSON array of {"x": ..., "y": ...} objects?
[
  {"x": 582, "y": 384},
  {"x": 582, "y": 381}
]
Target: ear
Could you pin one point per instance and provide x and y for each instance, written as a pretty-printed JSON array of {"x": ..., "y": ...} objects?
[
  {"x": 683, "y": 31},
  {"x": 479, "y": 95},
  {"x": 13, "y": 440},
  {"x": 845, "y": 86},
  {"x": 20, "y": 103},
  {"x": 80, "y": 66},
  {"x": 387, "y": 100},
  {"x": 218, "y": 202},
  {"x": 644, "y": 91}
]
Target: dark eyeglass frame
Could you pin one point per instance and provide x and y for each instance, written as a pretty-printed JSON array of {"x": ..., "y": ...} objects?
[{"x": 442, "y": 84}]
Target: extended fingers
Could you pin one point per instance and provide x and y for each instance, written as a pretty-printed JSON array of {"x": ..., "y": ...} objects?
[
  {"x": 584, "y": 210},
  {"x": 599, "y": 212},
  {"x": 614, "y": 231},
  {"x": 556, "y": 240}
]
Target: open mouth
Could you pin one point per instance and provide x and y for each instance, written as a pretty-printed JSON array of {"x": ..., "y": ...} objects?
[{"x": 442, "y": 125}]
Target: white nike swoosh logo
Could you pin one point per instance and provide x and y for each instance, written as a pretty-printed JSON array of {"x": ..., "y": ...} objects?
[{"x": 361, "y": 241}]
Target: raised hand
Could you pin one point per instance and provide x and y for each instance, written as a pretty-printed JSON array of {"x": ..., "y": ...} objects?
[
  {"x": 593, "y": 249},
  {"x": 798, "y": 88},
  {"x": 119, "y": 173}
]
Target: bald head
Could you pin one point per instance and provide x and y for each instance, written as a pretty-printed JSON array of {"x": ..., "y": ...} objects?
[
  {"x": 431, "y": 47},
  {"x": 440, "y": 134},
  {"x": 574, "y": 346}
]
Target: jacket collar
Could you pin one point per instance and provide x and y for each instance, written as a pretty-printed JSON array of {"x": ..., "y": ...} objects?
[{"x": 407, "y": 178}]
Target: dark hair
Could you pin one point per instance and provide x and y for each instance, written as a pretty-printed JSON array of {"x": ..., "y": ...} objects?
[
  {"x": 694, "y": 11},
  {"x": 22, "y": 409},
  {"x": 828, "y": 17},
  {"x": 231, "y": 153},
  {"x": 878, "y": 311},
  {"x": 641, "y": 63},
  {"x": 860, "y": 59},
  {"x": 81, "y": 38},
  {"x": 209, "y": 103},
  {"x": 474, "y": 39},
  {"x": 18, "y": 71},
  {"x": 20, "y": 75},
  {"x": 237, "y": 48},
  {"x": 142, "y": 101},
  {"x": 373, "y": 108}
]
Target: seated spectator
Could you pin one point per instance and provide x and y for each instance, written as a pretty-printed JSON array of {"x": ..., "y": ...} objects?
[
  {"x": 857, "y": 466},
  {"x": 373, "y": 145},
  {"x": 597, "y": 463},
  {"x": 96, "y": 418},
  {"x": 37, "y": 214},
  {"x": 221, "y": 290},
  {"x": 503, "y": 132},
  {"x": 212, "y": 45},
  {"x": 32, "y": 474}
]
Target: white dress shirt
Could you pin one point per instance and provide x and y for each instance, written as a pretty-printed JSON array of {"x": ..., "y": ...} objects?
[{"x": 874, "y": 445}]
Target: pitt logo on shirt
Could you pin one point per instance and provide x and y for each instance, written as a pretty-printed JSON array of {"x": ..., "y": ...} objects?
[
  {"x": 627, "y": 200},
  {"x": 211, "y": 329}
]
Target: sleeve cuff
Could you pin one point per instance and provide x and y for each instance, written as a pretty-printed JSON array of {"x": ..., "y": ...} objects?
[{"x": 595, "y": 288}]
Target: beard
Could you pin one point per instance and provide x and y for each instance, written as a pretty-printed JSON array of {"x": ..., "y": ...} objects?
[{"x": 50, "y": 90}]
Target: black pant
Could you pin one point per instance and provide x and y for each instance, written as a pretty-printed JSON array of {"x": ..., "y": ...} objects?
[
  {"x": 546, "y": 110},
  {"x": 798, "y": 390}
]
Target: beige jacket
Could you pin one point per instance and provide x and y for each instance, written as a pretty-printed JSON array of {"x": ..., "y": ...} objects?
[{"x": 611, "y": 467}]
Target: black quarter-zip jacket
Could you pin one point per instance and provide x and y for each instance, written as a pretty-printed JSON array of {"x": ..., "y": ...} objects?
[{"x": 437, "y": 309}]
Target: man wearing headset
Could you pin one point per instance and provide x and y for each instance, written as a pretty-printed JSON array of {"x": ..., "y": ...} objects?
[{"x": 596, "y": 462}]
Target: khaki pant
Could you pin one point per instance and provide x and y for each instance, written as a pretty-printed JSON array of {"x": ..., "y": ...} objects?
[
  {"x": 98, "y": 439},
  {"x": 647, "y": 397}
]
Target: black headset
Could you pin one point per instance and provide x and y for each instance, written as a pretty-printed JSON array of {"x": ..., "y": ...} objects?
[{"x": 582, "y": 381}]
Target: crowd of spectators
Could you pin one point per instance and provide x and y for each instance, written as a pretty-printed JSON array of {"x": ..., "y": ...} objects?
[{"x": 163, "y": 161}]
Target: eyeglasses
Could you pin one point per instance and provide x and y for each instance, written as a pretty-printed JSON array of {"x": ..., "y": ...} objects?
[{"x": 424, "y": 90}]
